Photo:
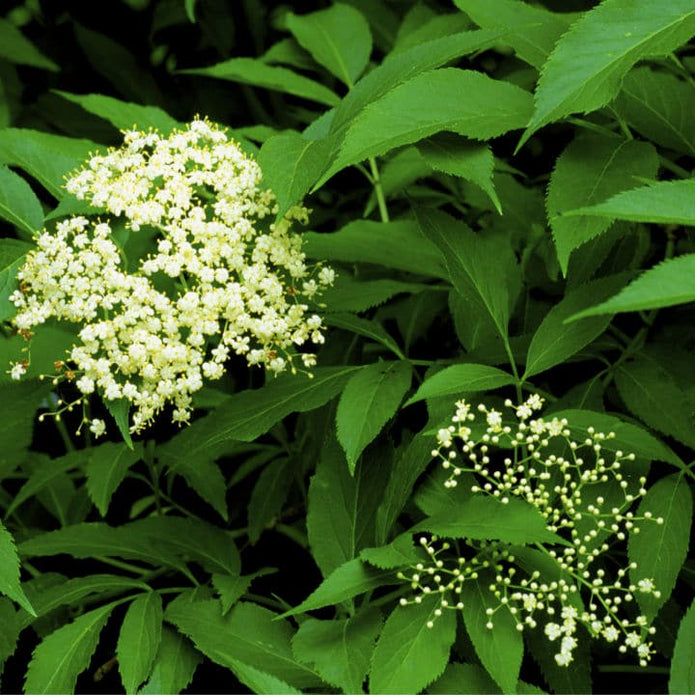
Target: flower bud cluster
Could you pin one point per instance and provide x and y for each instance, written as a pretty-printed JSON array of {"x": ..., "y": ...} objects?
[
  {"x": 584, "y": 495},
  {"x": 220, "y": 277}
]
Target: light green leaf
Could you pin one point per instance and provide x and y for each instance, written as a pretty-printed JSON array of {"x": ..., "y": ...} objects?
[
  {"x": 669, "y": 283},
  {"x": 592, "y": 168},
  {"x": 352, "y": 578},
  {"x": 460, "y": 379},
  {"x": 658, "y": 105},
  {"x": 459, "y": 157},
  {"x": 9, "y": 571},
  {"x": 401, "y": 67},
  {"x": 65, "y": 653},
  {"x": 138, "y": 640},
  {"x": 501, "y": 649},
  {"x": 371, "y": 397},
  {"x": 174, "y": 665},
  {"x": 682, "y": 678},
  {"x": 628, "y": 437},
  {"x": 659, "y": 550},
  {"x": 652, "y": 394},
  {"x": 530, "y": 30},
  {"x": 483, "y": 269},
  {"x": 365, "y": 327},
  {"x": 230, "y": 588},
  {"x": 257, "y": 73},
  {"x": 44, "y": 156},
  {"x": 123, "y": 114},
  {"x": 400, "y": 552},
  {"x": 189, "y": 6},
  {"x": 661, "y": 202},
  {"x": 249, "y": 634},
  {"x": 398, "y": 245},
  {"x": 291, "y": 164},
  {"x": 463, "y": 678},
  {"x": 553, "y": 342},
  {"x": 461, "y": 101},
  {"x": 337, "y": 38},
  {"x": 484, "y": 518},
  {"x": 18, "y": 203},
  {"x": 268, "y": 496},
  {"x": 248, "y": 414},
  {"x": 106, "y": 468},
  {"x": 342, "y": 507},
  {"x": 259, "y": 681},
  {"x": 409, "y": 655},
  {"x": 340, "y": 650},
  {"x": 12, "y": 255},
  {"x": 588, "y": 63},
  {"x": 16, "y": 48}
]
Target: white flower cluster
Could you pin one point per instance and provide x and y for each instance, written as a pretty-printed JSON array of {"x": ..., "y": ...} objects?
[
  {"x": 221, "y": 278},
  {"x": 584, "y": 497}
]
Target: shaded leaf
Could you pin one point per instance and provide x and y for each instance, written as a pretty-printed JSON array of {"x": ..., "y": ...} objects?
[
  {"x": 120, "y": 410},
  {"x": 682, "y": 677},
  {"x": 206, "y": 478},
  {"x": 347, "y": 295},
  {"x": 18, "y": 203},
  {"x": 107, "y": 467},
  {"x": 9, "y": 571},
  {"x": 174, "y": 665},
  {"x": 16, "y": 48},
  {"x": 365, "y": 327},
  {"x": 268, "y": 496}
]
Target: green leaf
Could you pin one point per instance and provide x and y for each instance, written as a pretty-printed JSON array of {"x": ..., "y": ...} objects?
[
  {"x": 122, "y": 114},
  {"x": 591, "y": 169},
  {"x": 409, "y": 655},
  {"x": 669, "y": 283},
  {"x": 482, "y": 269},
  {"x": 348, "y": 295},
  {"x": 501, "y": 649},
  {"x": 398, "y": 245},
  {"x": 174, "y": 665},
  {"x": 189, "y": 6},
  {"x": 16, "y": 48},
  {"x": 120, "y": 410},
  {"x": 661, "y": 202},
  {"x": 337, "y": 38},
  {"x": 249, "y": 634},
  {"x": 268, "y": 496},
  {"x": 352, "y": 578},
  {"x": 259, "y": 681},
  {"x": 401, "y": 67},
  {"x": 484, "y": 517},
  {"x": 530, "y": 30},
  {"x": 463, "y": 678},
  {"x": 65, "y": 653},
  {"x": 400, "y": 552},
  {"x": 248, "y": 414},
  {"x": 461, "y": 101},
  {"x": 44, "y": 156},
  {"x": 340, "y": 650},
  {"x": 653, "y": 395},
  {"x": 206, "y": 478},
  {"x": 628, "y": 437},
  {"x": 460, "y": 379},
  {"x": 682, "y": 678},
  {"x": 342, "y": 507},
  {"x": 230, "y": 588},
  {"x": 106, "y": 469},
  {"x": 138, "y": 640},
  {"x": 9, "y": 571},
  {"x": 371, "y": 397},
  {"x": 457, "y": 156},
  {"x": 658, "y": 105},
  {"x": 369, "y": 329},
  {"x": 659, "y": 550},
  {"x": 554, "y": 342},
  {"x": 18, "y": 203},
  {"x": 257, "y": 73},
  {"x": 11, "y": 627},
  {"x": 291, "y": 164},
  {"x": 588, "y": 63},
  {"x": 12, "y": 255}
]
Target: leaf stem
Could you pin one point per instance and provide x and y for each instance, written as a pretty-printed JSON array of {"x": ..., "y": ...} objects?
[{"x": 378, "y": 190}]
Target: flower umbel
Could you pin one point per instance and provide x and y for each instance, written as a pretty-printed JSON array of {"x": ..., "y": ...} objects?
[
  {"x": 220, "y": 277},
  {"x": 585, "y": 496}
]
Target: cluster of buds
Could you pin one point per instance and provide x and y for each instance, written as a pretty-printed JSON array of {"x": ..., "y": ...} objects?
[
  {"x": 585, "y": 497},
  {"x": 220, "y": 277}
]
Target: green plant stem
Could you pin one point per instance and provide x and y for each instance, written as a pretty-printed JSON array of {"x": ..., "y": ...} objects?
[
  {"x": 626, "y": 668},
  {"x": 293, "y": 534},
  {"x": 378, "y": 190},
  {"x": 64, "y": 434},
  {"x": 674, "y": 168},
  {"x": 121, "y": 565}
]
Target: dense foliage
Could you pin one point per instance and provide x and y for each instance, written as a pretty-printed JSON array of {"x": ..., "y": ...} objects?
[{"x": 347, "y": 346}]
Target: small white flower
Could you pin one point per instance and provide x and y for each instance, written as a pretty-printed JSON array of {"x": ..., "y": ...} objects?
[{"x": 97, "y": 427}]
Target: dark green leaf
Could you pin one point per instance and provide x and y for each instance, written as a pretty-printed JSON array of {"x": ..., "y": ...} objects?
[
  {"x": 138, "y": 640},
  {"x": 120, "y": 410},
  {"x": 591, "y": 169},
  {"x": 9, "y": 571},
  {"x": 18, "y": 204},
  {"x": 369, "y": 329},
  {"x": 370, "y": 398},
  {"x": 347, "y": 295},
  {"x": 659, "y": 550},
  {"x": 409, "y": 655},
  {"x": 206, "y": 478},
  {"x": 16, "y": 48},
  {"x": 682, "y": 678},
  {"x": 340, "y": 650},
  {"x": 107, "y": 466},
  {"x": 174, "y": 665},
  {"x": 337, "y": 38},
  {"x": 268, "y": 496}
]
